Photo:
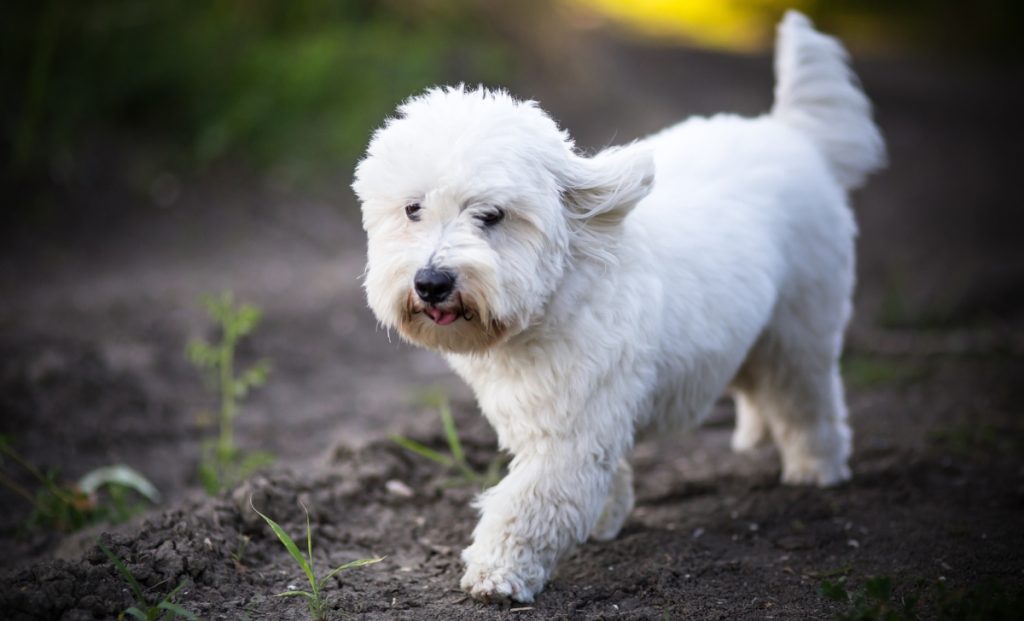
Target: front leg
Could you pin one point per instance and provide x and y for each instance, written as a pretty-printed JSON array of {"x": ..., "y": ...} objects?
[{"x": 549, "y": 501}]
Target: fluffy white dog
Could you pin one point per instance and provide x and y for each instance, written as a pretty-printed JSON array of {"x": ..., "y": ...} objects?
[{"x": 586, "y": 298}]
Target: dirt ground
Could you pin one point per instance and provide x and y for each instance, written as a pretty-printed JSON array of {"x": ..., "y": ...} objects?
[{"x": 94, "y": 318}]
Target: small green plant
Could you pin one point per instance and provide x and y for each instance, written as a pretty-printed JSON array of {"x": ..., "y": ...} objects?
[
  {"x": 144, "y": 609},
  {"x": 239, "y": 553},
  {"x": 107, "y": 494},
  {"x": 455, "y": 459},
  {"x": 314, "y": 597},
  {"x": 876, "y": 601},
  {"x": 222, "y": 463}
]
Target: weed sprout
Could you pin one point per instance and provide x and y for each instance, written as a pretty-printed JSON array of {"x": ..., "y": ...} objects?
[
  {"x": 107, "y": 494},
  {"x": 314, "y": 596},
  {"x": 455, "y": 459},
  {"x": 222, "y": 463},
  {"x": 144, "y": 609}
]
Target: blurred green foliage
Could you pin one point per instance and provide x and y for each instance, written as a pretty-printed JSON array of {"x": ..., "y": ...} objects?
[
  {"x": 297, "y": 84},
  {"x": 882, "y": 598}
]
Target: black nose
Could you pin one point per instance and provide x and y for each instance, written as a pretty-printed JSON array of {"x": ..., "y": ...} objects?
[{"x": 434, "y": 285}]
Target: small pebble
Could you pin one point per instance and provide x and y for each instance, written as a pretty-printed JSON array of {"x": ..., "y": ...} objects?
[{"x": 398, "y": 488}]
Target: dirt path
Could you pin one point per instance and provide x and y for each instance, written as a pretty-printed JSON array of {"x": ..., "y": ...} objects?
[
  {"x": 93, "y": 324},
  {"x": 714, "y": 536}
]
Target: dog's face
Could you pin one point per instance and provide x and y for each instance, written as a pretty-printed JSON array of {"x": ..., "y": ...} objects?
[{"x": 475, "y": 205}]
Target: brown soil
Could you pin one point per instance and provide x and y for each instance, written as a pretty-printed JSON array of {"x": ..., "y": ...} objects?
[
  {"x": 714, "y": 536},
  {"x": 93, "y": 323}
]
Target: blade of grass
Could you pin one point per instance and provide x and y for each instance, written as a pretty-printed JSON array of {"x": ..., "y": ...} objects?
[
  {"x": 127, "y": 575},
  {"x": 350, "y": 565},
  {"x": 135, "y": 612},
  {"x": 309, "y": 548},
  {"x": 305, "y": 594},
  {"x": 452, "y": 435},
  {"x": 289, "y": 544},
  {"x": 46, "y": 481},
  {"x": 170, "y": 596},
  {"x": 6, "y": 449},
  {"x": 176, "y": 609},
  {"x": 423, "y": 451},
  {"x": 455, "y": 445},
  {"x": 19, "y": 490},
  {"x": 493, "y": 475}
]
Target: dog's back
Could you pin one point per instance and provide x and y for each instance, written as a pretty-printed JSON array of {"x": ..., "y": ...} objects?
[{"x": 750, "y": 219}]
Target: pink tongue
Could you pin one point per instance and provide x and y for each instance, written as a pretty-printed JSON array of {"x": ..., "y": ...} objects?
[{"x": 441, "y": 318}]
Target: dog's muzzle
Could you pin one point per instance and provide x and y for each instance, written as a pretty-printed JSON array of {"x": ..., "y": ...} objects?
[{"x": 433, "y": 285}]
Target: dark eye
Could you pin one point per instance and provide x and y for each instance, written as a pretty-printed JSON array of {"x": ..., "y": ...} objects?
[
  {"x": 491, "y": 216},
  {"x": 412, "y": 211}
]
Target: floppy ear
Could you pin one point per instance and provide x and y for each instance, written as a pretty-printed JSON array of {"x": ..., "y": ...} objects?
[{"x": 602, "y": 189}]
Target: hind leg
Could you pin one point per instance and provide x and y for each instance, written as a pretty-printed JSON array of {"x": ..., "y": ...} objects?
[
  {"x": 807, "y": 418},
  {"x": 617, "y": 506},
  {"x": 795, "y": 388},
  {"x": 751, "y": 428}
]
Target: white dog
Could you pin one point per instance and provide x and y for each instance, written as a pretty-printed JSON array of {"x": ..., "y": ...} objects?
[{"x": 585, "y": 298}]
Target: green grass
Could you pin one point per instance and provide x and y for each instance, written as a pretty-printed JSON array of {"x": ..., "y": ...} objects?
[
  {"x": 455, "y": 459},
  {"x": 296, "y": 86},
  {"x": 866, "y": 372},
  {"x": 314, "y": 596},
  {"x": 222, "y": 463},
  {"x": 107, "y": 494},
  {"x": 978, "y": 438},
  {"x": 144, "y": 608},
  {"x": 881, "y": 599}
]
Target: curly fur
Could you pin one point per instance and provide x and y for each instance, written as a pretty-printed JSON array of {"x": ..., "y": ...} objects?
[{"x": 626, "y": 289}]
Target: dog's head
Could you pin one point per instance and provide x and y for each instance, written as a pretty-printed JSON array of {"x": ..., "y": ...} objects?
[{"x": 476, "y": 206}]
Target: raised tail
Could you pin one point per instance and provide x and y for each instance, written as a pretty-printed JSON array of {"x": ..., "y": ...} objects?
[{"x": 817, "y": 93}]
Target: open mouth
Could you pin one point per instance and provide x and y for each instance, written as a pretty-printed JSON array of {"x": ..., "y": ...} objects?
[
  {"x": 446, "y": 314},
  {"x": 441, "y": 317}
]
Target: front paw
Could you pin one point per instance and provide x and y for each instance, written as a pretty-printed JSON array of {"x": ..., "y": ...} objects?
[
  {"x": 491, "y": 584},
  {"x": 491, "y": 574}
]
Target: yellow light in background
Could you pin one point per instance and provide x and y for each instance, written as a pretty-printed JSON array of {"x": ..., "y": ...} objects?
[{"x": 737, "y": 25}]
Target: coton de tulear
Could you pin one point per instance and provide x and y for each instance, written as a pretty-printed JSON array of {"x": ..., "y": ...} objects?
[{"x": 586, "y": 298}]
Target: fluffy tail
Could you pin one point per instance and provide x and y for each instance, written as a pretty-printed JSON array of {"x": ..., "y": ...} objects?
[{"x": 817, "y": 93}]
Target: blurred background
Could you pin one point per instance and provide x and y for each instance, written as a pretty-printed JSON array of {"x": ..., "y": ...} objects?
[{"x": 153, "y": 152}]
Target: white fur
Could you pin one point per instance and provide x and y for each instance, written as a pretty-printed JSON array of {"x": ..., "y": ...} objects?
[{"x": 627, "y": 289}]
